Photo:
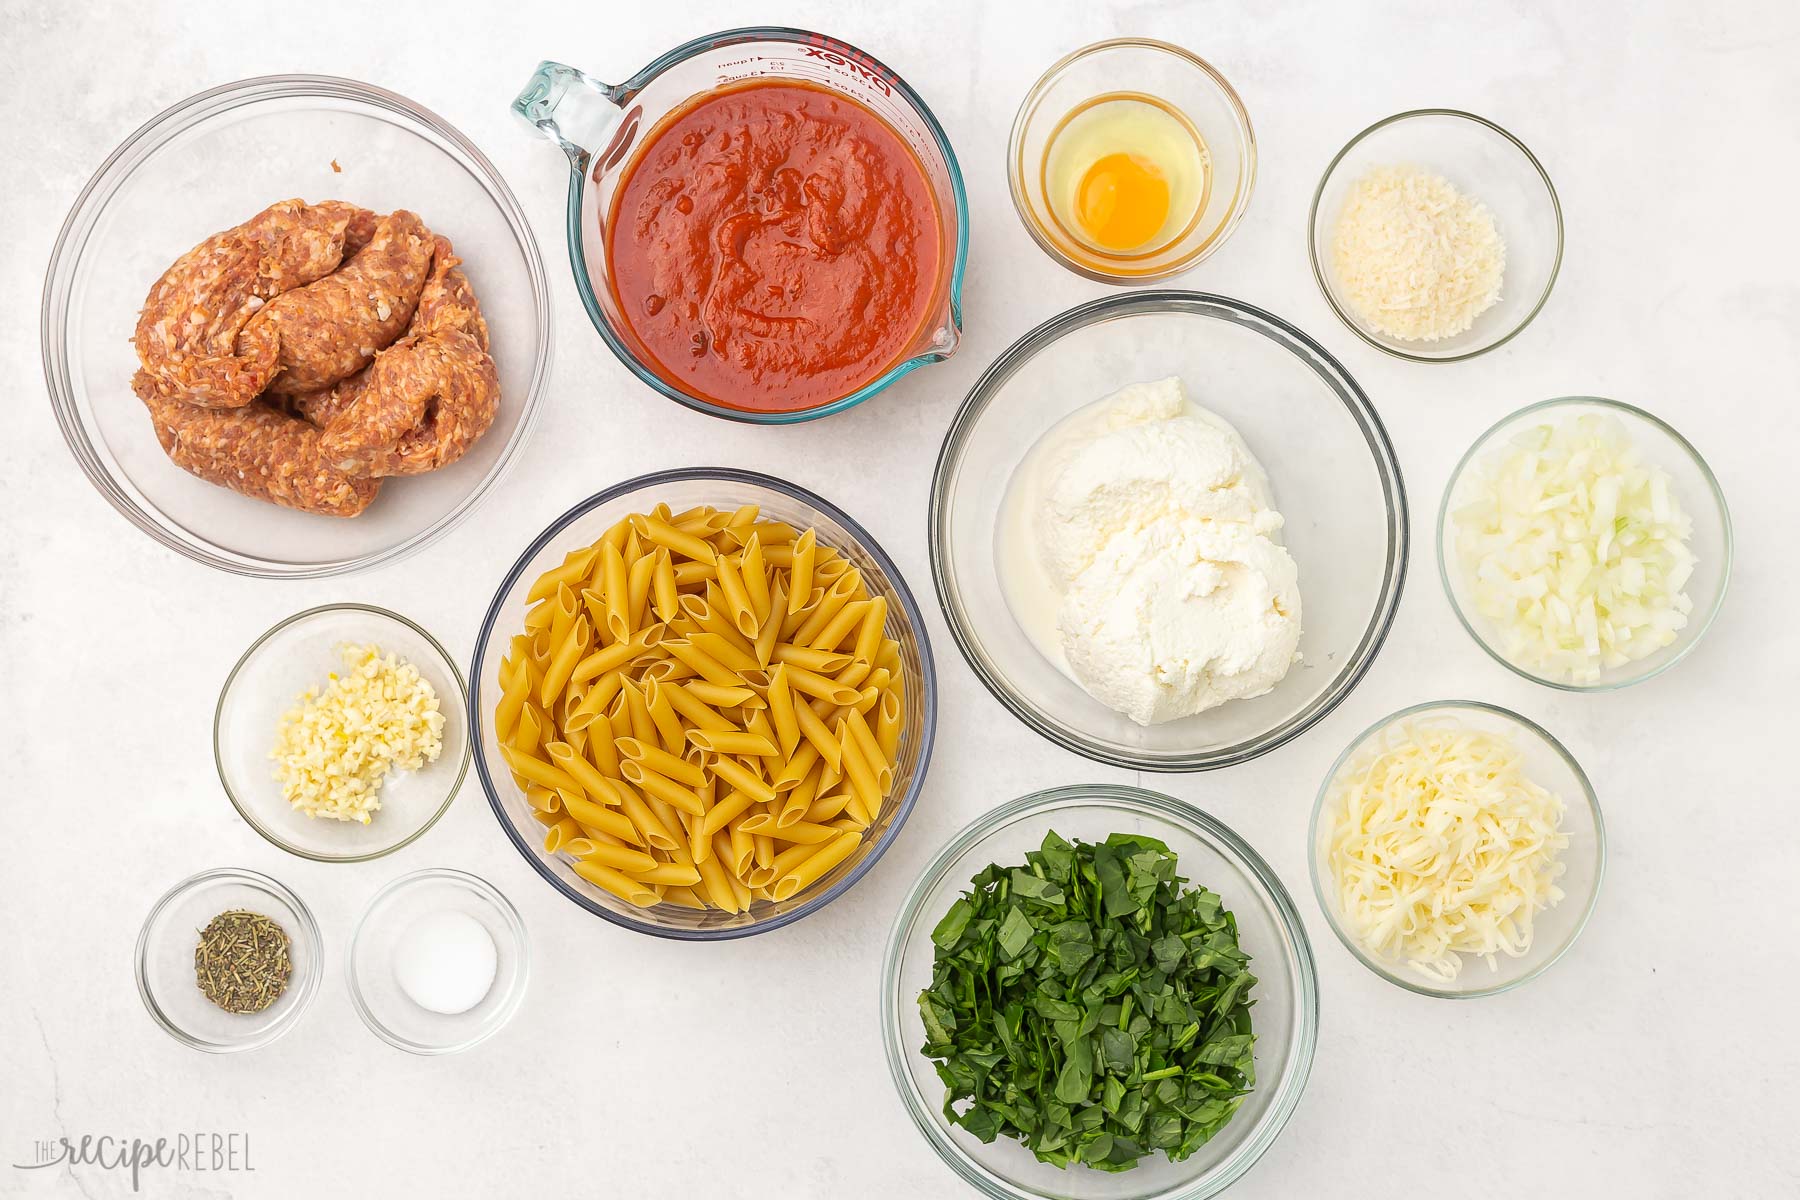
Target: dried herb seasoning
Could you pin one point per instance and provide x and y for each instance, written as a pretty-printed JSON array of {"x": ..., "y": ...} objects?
[
  {"x": 1089, "y": 1005},
  {"x": 242, "y": 963}
]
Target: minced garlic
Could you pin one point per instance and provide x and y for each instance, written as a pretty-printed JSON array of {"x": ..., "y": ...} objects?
[{"x": 334, "y": 749}]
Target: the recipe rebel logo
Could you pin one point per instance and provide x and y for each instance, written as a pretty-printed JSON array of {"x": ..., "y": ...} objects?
[{"x": 189, "y": 1153}]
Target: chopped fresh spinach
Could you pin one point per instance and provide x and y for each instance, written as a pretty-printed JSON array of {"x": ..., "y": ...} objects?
[{"x": 1090, "y": 1006}]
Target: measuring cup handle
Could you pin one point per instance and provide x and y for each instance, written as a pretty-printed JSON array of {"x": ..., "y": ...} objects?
[{"x": 571, "y": 108}]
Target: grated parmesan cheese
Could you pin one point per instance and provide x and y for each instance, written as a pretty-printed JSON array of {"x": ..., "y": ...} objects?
[
  {"x": 1416, "y": 258},
  {"x": 1440, "y": 847},
  {"x": 335, "y": 748}
]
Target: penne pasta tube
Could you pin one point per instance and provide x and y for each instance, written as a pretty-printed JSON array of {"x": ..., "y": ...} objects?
[
  {"x": 558, "y": 835},
  {"x": 618, "y": 883},
  {"x": 721, "y": 814},
  {"x": 684, "y": 897},
  {"x": 632, "y": 862},
  {"x": 889, "y": 724},
  {"x": 800, "y": 579},
  {"x": 574, "y": 568},
  {"x": 689, "y": 572},
  {"x": 846, "y": 620},
  {"x": 563, "y": 657},
  {"x": 863, "y": 785},
  {"x": 669, "y": 873},
  {"x": 542, "y": 799},
  {"x": 538, "y": 771},
  {"x": 721, "y": 741},
  {"x": 768, "y": 634},
  {"x": 813, "y": 684},
  {"x": 742, "y": 847},
  {"x": 825, "y": 662},
  {"x": 660, "y": 761},
  {"x": 737, "y": 597},
  {"x": 649, "y": 826},
  {"x": 805, "y": 833},
  {"x": 637, "y": 589},
  {"x": 812, "y": 726},
  {"x": 601, "y": 819},
  {"x": 724, "y": 651},
  {"x": 870, "y": 750},
  {"x": 704, "y": 665},
  {"x": 814, "y": 867},
  {"x": 583, "y": 772},
  {"x": 662, "y": 787},
  {"x": 662, "y": 714},
  {"x": 869, "y": 633},
  {"x": 742, "y": 778},
  {"x": 796, "y": 769},
  {"x": 715, "y": 885},
  {"x": 755, "y": 578},
  {"x": 684, "y": 544},
  {"x": 827, "y": 807},
  {"x": 515, "y": 686},
  {"x": 663, "y": 588},
  {"x": 781, "y": 712}
]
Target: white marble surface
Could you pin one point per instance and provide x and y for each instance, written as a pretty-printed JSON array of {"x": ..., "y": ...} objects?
[{"x": 1659, "y": 1060}]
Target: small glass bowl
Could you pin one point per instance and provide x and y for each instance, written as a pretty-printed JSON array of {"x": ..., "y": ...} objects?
[
  {"x": 1330, "y": 465},
  {"x": 1694, "y": 486},
  {"x": 215, "y": 160},
  {"x": 1548, "y": 764},
  {"x": 300, "y": 653},
  {"x": 165, "y": 960},
  {"x": 1168, "y": 73},
  {"x": 725, "y": 488},
  {"x": 376, "y": 994},
  {"x": 1285, "y": 1018},
  {"x": 1486, "y": 163}
]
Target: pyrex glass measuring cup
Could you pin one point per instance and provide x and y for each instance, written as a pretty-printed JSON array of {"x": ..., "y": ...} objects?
[{"x": 600, "y": 125}]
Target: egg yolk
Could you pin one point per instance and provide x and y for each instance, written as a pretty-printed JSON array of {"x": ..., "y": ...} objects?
[{"x": 1122, "y": 202}]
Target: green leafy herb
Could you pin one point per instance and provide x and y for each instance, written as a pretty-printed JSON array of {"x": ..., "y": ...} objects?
[{"x": 1090, "y": 1006}]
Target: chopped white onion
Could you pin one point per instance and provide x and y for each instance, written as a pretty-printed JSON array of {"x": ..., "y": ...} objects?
[{"x": 1574, "y": 549}]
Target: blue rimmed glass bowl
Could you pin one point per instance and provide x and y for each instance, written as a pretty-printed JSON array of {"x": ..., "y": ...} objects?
[
  {"x": 1285, "y": 1016},
  {"x": 725, "y": 488},
  {"x": 599, "y": 125}
]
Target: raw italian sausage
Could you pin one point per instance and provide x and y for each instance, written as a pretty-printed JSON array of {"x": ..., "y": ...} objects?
[
  {"x": 332, "y": 328},
  {"x": 190, "y": 335}
]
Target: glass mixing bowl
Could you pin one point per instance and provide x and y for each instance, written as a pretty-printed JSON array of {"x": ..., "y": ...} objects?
[
  {"x": 1548, "y": 764},
  {"x": 381, "y": 1000},
  {"x": 209, "y": 163},
  {"x": 1695, "y": 488},
  {"x": 165, "y": 960},
  {"x": 1163, "y": 72},
  {"x": 300, "y": 653},
  {"x": 1285, "y": 1018},
  {"x": 599, "y": 125},
  {"x": 725, "y": 488},
  {"x": 1485, "y": 162},
  {"x": 1330, "y": 466}
]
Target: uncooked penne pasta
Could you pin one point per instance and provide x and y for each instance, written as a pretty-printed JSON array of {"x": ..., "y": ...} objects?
[{"x": 703, "y": 709}]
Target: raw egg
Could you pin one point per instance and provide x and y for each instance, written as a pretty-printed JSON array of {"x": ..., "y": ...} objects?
[{"x": 1125, "y": 174}]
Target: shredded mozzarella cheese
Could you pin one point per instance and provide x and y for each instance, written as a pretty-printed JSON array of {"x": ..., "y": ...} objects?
[
  {"x": 1440, "y": 847},
  {"x": 1575, "y": 549},
  {"x": 1416, "y": 258},
  {"x": 335, "y": 748}
]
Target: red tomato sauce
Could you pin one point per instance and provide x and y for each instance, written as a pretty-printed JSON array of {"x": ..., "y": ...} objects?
[{"x": 774, "y": 247}]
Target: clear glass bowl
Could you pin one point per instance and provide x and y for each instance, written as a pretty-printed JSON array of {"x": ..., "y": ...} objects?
[
  {"x": 1330, "y": 465},
  {"x": 376, "y": 994},
  {"x": 1694, "y": 486},
  {"x": 209, "y": 163},
  {"x": 1168, "y": 73},
  {"x": 1483, "y": 161},
  {"x": 721, "y": 487},
  {"x": 165, "y": 960},
  {"x": 598, "y": 126},
  {"x": 1548, "y": 764},
  {"x": 1285, "y": 1018},
  {"x": 300, "y": 653}
]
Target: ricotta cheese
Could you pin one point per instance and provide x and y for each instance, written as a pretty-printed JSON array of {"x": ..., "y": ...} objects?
[{"x": 1155, "y": 537}]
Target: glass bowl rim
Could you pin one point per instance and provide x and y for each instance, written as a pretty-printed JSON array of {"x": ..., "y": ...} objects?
[
  {"x": 575, "y": 234},
  {"x": 1419, "y": 986},
  {"x": 1312, "y": 238},
  {"x": 307, "y": 983},
  {"x": 908, "y": 606},
  {"x": 1362, "y": 411},
  {"x": 1706, "y": 472},
  {"x": 1028, "y": 108},
  {"x": 460, "y": 708},
  {"x": 115, "y": 172},
  {"x": 501, "y": 1017},
  {"x": 1218, "y": 836}
]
